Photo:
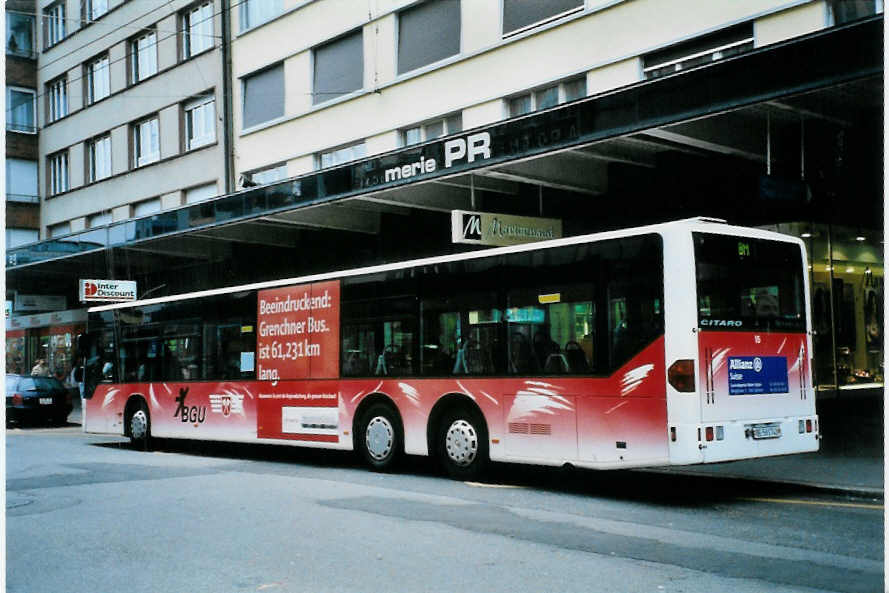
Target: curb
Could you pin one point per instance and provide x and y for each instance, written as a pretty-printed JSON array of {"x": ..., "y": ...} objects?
[{"x": 852, "y": 490}]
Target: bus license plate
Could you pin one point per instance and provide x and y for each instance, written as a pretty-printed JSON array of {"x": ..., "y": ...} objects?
[
  {"x": 766, "y": 432},
  {"x": 46, "y": 401}
]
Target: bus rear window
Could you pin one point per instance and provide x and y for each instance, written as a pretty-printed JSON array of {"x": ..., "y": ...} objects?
[{"x": 748, "y": 284}]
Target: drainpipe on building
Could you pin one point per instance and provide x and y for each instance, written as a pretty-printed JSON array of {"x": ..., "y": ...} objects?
[{"x": 227, "y": 119}]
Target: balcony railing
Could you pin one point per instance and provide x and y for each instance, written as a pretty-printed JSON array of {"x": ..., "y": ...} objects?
[
  {"x": 12, "y": 126},
  {"x": 27, "y": 198}
]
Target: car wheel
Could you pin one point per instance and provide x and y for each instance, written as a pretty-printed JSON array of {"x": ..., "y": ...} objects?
[
  {"x": 463, "y": 444},
  {"x": 380, "y": 438},
  {"x": 139, "y": 426}
]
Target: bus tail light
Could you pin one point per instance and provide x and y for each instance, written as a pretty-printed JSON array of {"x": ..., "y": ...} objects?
[
  {"x": 681, "y": 375},
  {"x": 809, "y": 425},
  {"x": 673, "y": 434},
  {"x": 17, "y": 399},
  {"x": 709, "y": 433}
]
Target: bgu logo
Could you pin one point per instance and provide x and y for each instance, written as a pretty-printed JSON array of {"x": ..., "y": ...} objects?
[
  {"x": 90, "y": 289},
  {"x": 472, "y": 227},
  {"x": 194, "y": 414}
]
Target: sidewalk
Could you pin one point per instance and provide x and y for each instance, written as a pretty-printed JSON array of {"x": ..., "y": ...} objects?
[
  {"x": 836, "y": 472},
  {"x": 850, "y": 461}
]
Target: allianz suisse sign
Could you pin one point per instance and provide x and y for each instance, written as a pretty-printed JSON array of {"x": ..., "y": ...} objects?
[{"x": 98, "y": 291}]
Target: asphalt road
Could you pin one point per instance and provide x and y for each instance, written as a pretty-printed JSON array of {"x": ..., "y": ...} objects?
[{"x": 88, "y": 513}]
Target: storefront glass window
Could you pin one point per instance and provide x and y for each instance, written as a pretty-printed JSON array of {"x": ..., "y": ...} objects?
[
  {"x": 15, "y": 352},
  {"x": 847, "y": 283}
]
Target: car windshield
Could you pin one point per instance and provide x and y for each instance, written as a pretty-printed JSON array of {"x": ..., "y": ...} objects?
[{"x": 39, "y": 384}]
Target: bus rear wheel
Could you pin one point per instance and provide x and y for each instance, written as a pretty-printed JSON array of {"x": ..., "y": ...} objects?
[
  {"x": 463, "y": 444},
  {"x": 379, "y": 437},
  {"x": 139, "y": 426}
]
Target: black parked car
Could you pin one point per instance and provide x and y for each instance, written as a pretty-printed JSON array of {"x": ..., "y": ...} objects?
[{"x": 36, "y": 399}]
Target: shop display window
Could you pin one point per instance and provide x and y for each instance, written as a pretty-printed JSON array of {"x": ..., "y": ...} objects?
[{"x": 847, "y": 284}]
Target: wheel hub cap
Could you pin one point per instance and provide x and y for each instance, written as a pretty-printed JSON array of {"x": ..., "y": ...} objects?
[
  {"x": 380, "y": 437},
  {"x": 461, "y": 443},
  {"x": 138, "y": 425}
]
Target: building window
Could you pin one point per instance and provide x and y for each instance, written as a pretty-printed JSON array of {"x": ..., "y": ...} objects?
[
  {"x": 846, "y": 11},
  {"x": 264, "y": 96},
  {"x": 146, "y": 142},
  {"x": 98, "y": 80},
  {"x": 98, "y": 158},
  {"x": 98, "y": 219},
  {"x": 20, "y": 107},
  {"x": 343, "y": 154},
  {"x": 58, "y": 173},
  {"x": 698, "y": 51},
  {"x": 16, "y": 237},
  {"x": 427, "y": 33},
  {"x": 197, "y": 30},
  {"x": 57, "y": 230},
  {"x": 146, "y": 207},
  {"x": 265, "y": 175},
  {"x": 143, "y": 57},
  {"x": 200, "y": 122},
  {"x": 550, "y": 96},
  {"x": 93, "y": 9},
  {"x": 57, "y": 99},
  {"x": 54, "y": 24},
  {"x": 256, "y": 12},
  {"x": 339, "y": 68},
  {"x": 19, "y": 34},
  {"x": 519, "y": 15},
  {"x": 200, "y": 193},
  {"x": 431, "y": 130},
  {"x": 21, "y": 181}
]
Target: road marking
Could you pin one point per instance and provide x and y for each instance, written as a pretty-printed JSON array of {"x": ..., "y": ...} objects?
[
  {"x": 482, "y": 485},
  {"x": 849, "y": 505}
]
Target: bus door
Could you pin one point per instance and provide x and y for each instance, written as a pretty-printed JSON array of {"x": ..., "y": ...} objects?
[{"x": 753, "y": 347}]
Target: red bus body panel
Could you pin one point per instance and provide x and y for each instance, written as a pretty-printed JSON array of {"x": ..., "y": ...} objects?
[{"x": 600, "y": 421}]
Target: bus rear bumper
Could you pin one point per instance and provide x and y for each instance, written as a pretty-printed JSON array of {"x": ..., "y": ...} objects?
[{"x": 746, "y": 439}]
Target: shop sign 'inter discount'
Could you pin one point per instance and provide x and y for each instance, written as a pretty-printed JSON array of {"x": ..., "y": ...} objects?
[
  {"x": 96, "y": 291},
  {"x": 299, "y": 332}
]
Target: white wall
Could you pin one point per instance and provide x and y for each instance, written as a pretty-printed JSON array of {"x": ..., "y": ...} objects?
[{"x": 604, "y": 43}]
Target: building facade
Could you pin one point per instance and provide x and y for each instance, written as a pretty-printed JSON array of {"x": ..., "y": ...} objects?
[
  {"x": 127, "y": 110},
  {"x": 22, "y": 194},
  {"x": 601, "y": 113}
]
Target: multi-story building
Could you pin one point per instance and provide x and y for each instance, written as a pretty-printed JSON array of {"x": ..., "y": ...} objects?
[
  {"x": 366, "y": 126},
  {"x": 128, "y": 108}
]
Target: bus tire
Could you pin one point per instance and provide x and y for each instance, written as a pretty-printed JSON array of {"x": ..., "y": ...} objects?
[
  {"x": 139, "y": 425},
  {"x": 380, "y": 437},
  {"x": 463, "y": 443}
]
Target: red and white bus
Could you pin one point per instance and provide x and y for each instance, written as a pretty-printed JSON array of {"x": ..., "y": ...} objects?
[{"x": 679, "y": 343}]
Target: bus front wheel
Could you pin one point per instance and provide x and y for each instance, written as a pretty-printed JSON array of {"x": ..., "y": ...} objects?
[
  {"x": 463, "y": 444},
  {"x": 380, "y": 438},
  {"x": 139, "y": 426}
]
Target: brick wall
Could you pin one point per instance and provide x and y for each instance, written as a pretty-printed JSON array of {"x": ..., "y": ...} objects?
[
  {"x": 21, "y": 72},
  {"x": 23, "y": 216},
  {"x": 21, "y": 146}
]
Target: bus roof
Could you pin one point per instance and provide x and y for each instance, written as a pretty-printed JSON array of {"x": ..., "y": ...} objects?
[{"x": 699, "y": 223}]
